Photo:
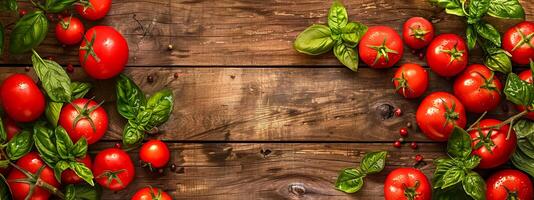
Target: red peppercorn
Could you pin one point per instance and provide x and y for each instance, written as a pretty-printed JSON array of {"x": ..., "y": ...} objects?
[
  {"x": 176, "y": 75},
  {"x": 118, "y": 145},
  {"x": 397, "y": 144},
  {"x": 27, "y": 68},
  {"x": 398, "y": 112},
  {"x": 413, "y": 145},
  {"x": 23, "y": 12},
  {"x": 70, "y": 68},
  {"x": 403, "y": 132},
  {"x": 418, "y": 158}
]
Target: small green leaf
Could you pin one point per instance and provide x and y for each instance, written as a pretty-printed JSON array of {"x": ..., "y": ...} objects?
[
  {"x": 352, "y": 33},
  {"x": 453, "y": 7},
  {"x": 315, "y": 40},
  {"x": 129, "y": 97},
  {"x": 337, "y": 16},
  {"x": 455, "y": 192},
  {"x": 52, "y": 111},
  {"x": 471, "y": 36},
  {"x": 350, "y": 180},
  {"x": 19, "y": 145},
  {"x": 506, "y": 9},
  {"x": 79, "y": 149},
  {"x": 471, "y": 162},
  {"x": 523, "y": 128},
  {"x": 83, "y": 172},
  {"x": 488, "y": 32},
  {"x": 79, "y": 89},
  {"x": 3, "y": 133},
  {"x": 452, "y": 176},
  {"x": 477, "y": 9},
  {"x": 28, "y": 33},
  {"x": 347, "y": 56},
  {"x": 459, "y": 144},
  {"x": 523, "y": 162},
  {"x": 54, "y": 79},
  {"x": 59, "y": 167},
  {"x": 63, "y": 143},
  {"x": 160, "y": 105},
  {"x": 82, "y": 192},
  {"x": 518, "y": 91},
  {"x": 44, "y": 137},
  {"x": 373, "y": 162},
  {"x": 498, "y": 60},
  {"x": 131, "y": 135},
  {"x": 442, "y": 165},
  {"x": 57, "y": 6},
  {"x": 474, "y": 186}
]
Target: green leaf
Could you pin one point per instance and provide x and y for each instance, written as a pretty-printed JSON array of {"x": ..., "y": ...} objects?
[
  {"x": 347, "y": 56},
  {"x": 526, "y": 147},
  {"x": 474, "y": 186},
  {"x": 63, "y": 143},
  {"x": 79, "y": 89},
  {"x": 352, "y": 33},
  {"x": 132, "y": 135},
  {"x": 1, "y": 38},
  {"x": 79, "y": 149},
  {"x": 442, "y": 165},
  {"x": 56, "y": 6},
  {"x": 455, "y": 192},
  {"x": 10, "y": 5},
  {"x": 3, "y": 133},
  {"x": 142, "y": 121},
  {"x": 129, "y": 97},
  {"x": 5, "y": 191},
  {"x": 523, "y": 162},
  {"x": 471, "y": 36},
  {"x": 83, "y": 172},
  {"x": 350, "y": 180},
  {"x": 315, "y": 40},
  {"x": 518, "y": 91},
  {"x": 54, "y": 79},
  {"x": 373, "y": 162},
  {"x": 498, "y": 60},
  {"x": 453, "y": 7},
  {"x": 523, "y": 128},
  {"x": 28, "y": 33},
  {"x": 471, "y": 162},
  {"x": 337, "y": 16},
  {"x": 19, "y": 145},
  {"x": 82, "y": 192},
  {"x": 45, "y": 145},
  {"x": 488, "y": 32},
  {"x": 459, "y": 144},
  {"x": 160, "y": 105},
  {"x": 506, "y": 9},
  {"x": 53, "y": 109},
  {"x": 452, "y": 176},
  {"x": 477, "y": 9},
  {"x": 59, "y": 167}
]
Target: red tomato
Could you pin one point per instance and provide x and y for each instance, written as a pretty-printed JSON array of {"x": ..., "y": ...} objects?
[
  {"x": 70, "y": 177},
  {"x": 155, "y": 152},
  {"x": 478, "y": 89},
  {"x": 447, "y": 55},
  {"x": 93, "y": 9},
  {"x": 381, "y": 47},
  {"x": 21, "y": 98},
  {"x": 526, "y": 76},
  {"x": 31, "y": 162},
  {"x": 518, "y": 41},
  {"x": 494, "y": 149},
  {"x": 410, "y": 80},
  {"x": 407, "y": 183},
  {"x": 509, "y": 184},
  {"x": 438, "y": 113},
  {"x": 110, "y": 52},
  {"x": 111, "y": 165},
  {"x": 84, "y": 118},
  {"x": 11, "y": 128},
  {"x": 417, "y": 32},
  {"x": 150, "y": 193},
  {"x": 69, "y": 30}
]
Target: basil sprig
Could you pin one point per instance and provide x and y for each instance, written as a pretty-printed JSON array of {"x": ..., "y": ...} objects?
[
  {"x": 340, "y": 35},
  {"x": 350, "y": 180}
]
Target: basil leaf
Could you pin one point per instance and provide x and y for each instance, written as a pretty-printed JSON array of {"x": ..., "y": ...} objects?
[
  {"x": 160, "y": 105},
  {"x": 373, "y": 162},
  {"x": 455, "y": 192},
  {"x": 315, "y": 40},
  {"x": 132, "y": 135},
  {"x": 56, "y": 6},
  {"x": 82, "y": 192},
  {"x": 488, "y": 32},
  {"x": 83, "y": 172},
  {"x": 79, "y": 149},
  {"x": 129, "y": 97},
  {"x": 471, "y": 162},
  {"x": 10, "y": 5},
  {"x": 523, "y": 162},
  {"x": 453, "y": 7},
  {"x": 28, "y": 33},
  {"x": 347, "y": 56},
  {"x": 442, "y": 165},
  {"x": 3, "y": 133},
  {"x": 350, "y": 180},
  {"x": 63, "y": 143},
  {"x": 477, "y": 9},
  {"x": 52, "y": 111},
  {"x": 471, "y": 35},
  {"x": 59, "y": 167},
  {"x": 54, "y": 79},
  {"x": 523, "y": 128},
  {"x": 526, "y": 147},
  {"x": 506, "y": 9},
  {"x": 1, "y": 38},
  {"x": 79, "y": 89},
  {"x": 498, "y": 60},
  {"x": 518, "y": 91},
  {"x": 19, "y": 145},
  {"x": 45, "y": 145},
  {"x": 5, "y": 191},
  {"x": 459, "y": 144},
  {"x": 474, "y": 186},
  {"x": 452, "y": 176},
  {"x": 142, "y": 121},
  {"x": 352, "y": 33},
  {"x": 337, "y": 16}
]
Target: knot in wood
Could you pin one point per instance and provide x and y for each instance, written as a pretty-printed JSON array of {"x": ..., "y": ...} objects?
[
  {"x": 297, "y": 189},
  {"x": 385, "y": 111}
]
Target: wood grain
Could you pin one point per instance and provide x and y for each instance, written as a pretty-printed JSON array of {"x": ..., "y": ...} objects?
[{"x": 243, "y": 32}]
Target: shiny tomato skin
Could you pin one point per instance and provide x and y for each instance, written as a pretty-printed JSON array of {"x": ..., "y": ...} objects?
[
  {"x": 471, "y": 89},
  {"x": 378, "y": 36},
  {"x": 21, "y": 98},
  {"x": 113, "y": 160},
  {"x": 70, "y": 177},
  {"x": 512, "y": 38},
  {"x": 83, "y": 127},
  {"x": 511, "y": 179},
  {"x": 401, "y": 178},
  {"x": 155, "y": 152},
  {"x": 501, "y": 151},
  {"x": 417, "y": 32},
  {"x": 111, "y": 51},
  {"x": 69, "y": 30},
  {"x": 97, "y": 10},
  {"x": 11, "y": 128},
  {"x": 415, "y": 79},
  {"x": 440, "y": 61},
  {"x": 147, "y": 192},
  {"x": 31, "y": 162},
  {"x": 431, "y": 115},
  {"x": 526, "y": 75}
]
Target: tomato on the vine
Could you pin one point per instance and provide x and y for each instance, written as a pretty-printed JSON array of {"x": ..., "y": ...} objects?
[
  {"x": 437, "y": 115},
  {"x": 526, "y": 76},
  {"x": 417, "y": 32},
  {"x": 478, "y": 89},
  {"x": 69, "y": 30},
  {"x": 381, "y": 47},
  {"x": 113, "y": 169},
  {"x": 150, "y": 193},
  {"x": 31, "y": 162},
  {"x": 155, "y": 153},
  {"x": 70, "y": 177},
  {"x": 21, "y": 98},
  {"x": 84, "y": 118},
  {"x": 407, "y": 183},
  {"x": 93, "y": 9},
  {"x": 493, "y": 148},
  {"x": 518, "y": 41},
  {"x": 410, "y": 80},
  {"x": 103, "y": 52},
  {"x": 447, "y": 55},
  {"x": 509, "y": 184}
]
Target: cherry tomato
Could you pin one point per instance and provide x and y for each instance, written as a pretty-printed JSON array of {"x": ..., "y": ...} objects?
[
  {"x": 103, "y": 52},
  {"x": 407, "y": 183},
  {"x": 93, "y": 9},
  {"x": 509, "y": 184},
  {"x": 31, "y": 162},
  {"x": 21, "y": 98},
  {"x": 518, "y": 41},
  {"x": 11, "y": 128},
  {"x": 410, "y": 80},
  {"x": 381, "y": 47},
  {"x": 478, "y": 89},
  {"x": 69, "y": 30},
  {"x": 84, "y": 118},
  {"x": 493, "y": 148},
  {"x": 155, "y": 152},
  {"x": 150, "y": 193},
  {"x": 70, "y": 177},
  {"x": 437, "y": 115},
  {"x": 447, "y": 55},
  {"x": 526, "y": 76},
  {"x": 417, "y": 32},
  {"x": 111, "y": 165}
]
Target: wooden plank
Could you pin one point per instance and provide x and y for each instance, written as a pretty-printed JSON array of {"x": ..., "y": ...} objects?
[
  {"x": 273, "y": 104},
  {"x": 241, "y": 33},
  {"x": 271, "y": 170}
]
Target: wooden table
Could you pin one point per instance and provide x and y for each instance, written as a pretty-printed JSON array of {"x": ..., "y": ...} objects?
[{"x": 254, "y": 119}]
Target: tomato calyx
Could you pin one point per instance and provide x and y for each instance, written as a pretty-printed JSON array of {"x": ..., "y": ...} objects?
[
  {"x": 418, "y": 33},
  {"x": 89, "y": 48},
  {"x": 403, "y": 84},
  {"x": 111, "y": 176},
  {"x": 85, "y": 4},
  {"x": 382, "y": 51},
  {"x": 450, "y": 114},
  {"x": 34, "y": 180},
  {"x": 511, "y": 195},
  {"x": 488, "y": 82},
  {"x": 65, "y": 24},
  {"x": 484, "y": 140},
  {"x": 525, "y": 39},
  {"x": 83, "y": 113},
  {"x": 454, "y": 53},
  {"x": 154, "y": 196},
  {"x": 411, "y": 192}
]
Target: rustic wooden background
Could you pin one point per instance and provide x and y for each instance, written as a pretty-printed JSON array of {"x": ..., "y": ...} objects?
[{"x": 253, "y": 119}]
